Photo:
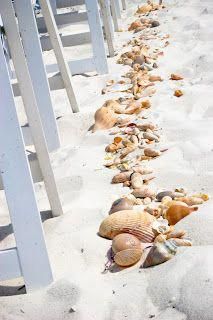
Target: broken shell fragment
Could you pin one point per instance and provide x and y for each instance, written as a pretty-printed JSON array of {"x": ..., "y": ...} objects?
[
  {"x": 146, "y": 104},
  {"x": 176, "y": 77},
  {"x": 178, "y": 93},
  {"x": 128, "y": 221},
  {"x": 121, "y": 204},
  {"x": 177, "y": 212}
]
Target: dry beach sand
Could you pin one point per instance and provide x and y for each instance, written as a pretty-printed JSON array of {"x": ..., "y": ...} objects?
[{"x": 179, "y": 289}]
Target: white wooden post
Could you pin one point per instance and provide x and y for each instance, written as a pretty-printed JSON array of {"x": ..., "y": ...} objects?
[
  {"x": 26, "y": 88},
  {"x": 30, "y": 258},
  {"x": 96, "y": 36},
  {"x": 118, "y": 8},
  {"x": 53, "y": 6},
  {"x": 59, "y": 53},
  {"x": 33, "y": 54},
  {"x": 106, "y": 16},
  {"x": 114, "y": 15},
  {"x": 123, "y": 4}
]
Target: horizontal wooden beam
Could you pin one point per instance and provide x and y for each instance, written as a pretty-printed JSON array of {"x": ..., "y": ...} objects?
[
  {"x": 69, "y": 3},
  {"x": 67, "y": 40},
  {"x": 9, "y": 264},
  {"x": 62, "y": 19},
  {"x": 56, "y": 82}
]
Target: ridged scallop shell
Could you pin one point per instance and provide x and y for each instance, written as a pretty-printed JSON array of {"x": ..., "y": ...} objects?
[
  {"x": 125, "y": 241},
  {"x": 128, "y": 257},
  {"x": 175, "y": 213},
  {"x": 121, "y": 204},
  {"x": 128, "y": 221}
]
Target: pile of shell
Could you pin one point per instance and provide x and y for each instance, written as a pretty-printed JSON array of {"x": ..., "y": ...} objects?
[{"x": 140, "y": 224}]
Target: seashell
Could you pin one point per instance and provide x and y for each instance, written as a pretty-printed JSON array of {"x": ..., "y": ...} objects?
[
  {"x": 150, "y": 136},
  {"x": 147, "y": 201},
  {"x": 121, "y": 204},
  {"x": 203, "y": 196},
  {"x": 134, "y": 25},
  {"x": 121, "y": 177},
  {"x": 160, "y": 238},
  {"x": 127, "y": 184},
  {"x": 153, "y": 211},
  {"x": 177, "y": 212},
  {"x": 128, "y": 257},
  {"x": 181, "y": 190},
  {"x": 170, "y": 203},
  {"x": 143, "y": 192},
  {"x": 176, "y": 234},
  {"x": 191, "y": 201},
  {"x": 155, "y": 23},
  {"x": 128, "y": 221},
  {"x": 139, "y": 59},
  {"x": 178, "y": 195},
  {"x": 153, "y": 78},
  {"x": 128, "y": 62},
  {"x": 104, "y": 119},
  {"x": 142, "y": 170},
  {"x": 176, "y": 77},
  {"x": 125, "y": 241},
  {"x": 146, "y": 104},
  {"x": 136, "y": 180},
  {"x": 146, "y": 126},
  {"x": 163, "y": 194},
  {"x": 161, "y": 226},
  {"x": 178, "y": 93},
  {"x": 128, "y": 150},
  {"x": 151, "y": 152},
  {"x": 185, "y": 242},
  {"x": 144, "y": 9},
  {"x": 160, "y": 253}
]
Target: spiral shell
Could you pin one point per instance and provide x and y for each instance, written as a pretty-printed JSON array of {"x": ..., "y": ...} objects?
[
  {"x": 128, "y": 257},
  {"x": 122, "y": 177},
  {"x": 159, "y": 253},
  {"x": 121, "y": 204},
  {"x": 104, "y": 119},
  {"x": 176, "y": 212},
  {"x": 128, "y": 221}
]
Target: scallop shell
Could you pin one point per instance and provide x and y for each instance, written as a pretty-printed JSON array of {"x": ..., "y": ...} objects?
[
  {"x": 125, "y": 241},
  {"x": 121, "y": 204},
  {"x": 128, "y": 257},
  {"x": 136, "y": 180},
  {"x": 128, "y": 221},
  {"x": 122, "y": 177},
  {"x": 151, "y": 152},
  {"x": 176, "y": 212},
  {"x": 159, "y": 253},
  {"x": 143, "y": 192},
  {"x": 191, "y": 201}
]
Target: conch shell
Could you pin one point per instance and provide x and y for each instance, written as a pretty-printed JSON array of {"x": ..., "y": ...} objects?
[
  {"x": 105, "y": 118},
  {"x": 121, "y": 204},
  {"x": 122, "y": 177},
  {"x": 128, "y": 221},
  {"x": 176, "y": 212},
  {"x": 159, "y": 253}
]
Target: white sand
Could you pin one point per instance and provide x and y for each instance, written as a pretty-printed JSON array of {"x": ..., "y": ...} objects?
[{"x": 179, "y": 289}]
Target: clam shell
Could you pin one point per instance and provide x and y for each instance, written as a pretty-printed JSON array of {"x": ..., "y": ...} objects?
[
  {"x": 159, "y": 253},
  {"x": 143, "y": 192},
  {"x": 121, "y": 204},
  {"x": 176, "y": 212},
  {"x": 122, "y": 177},
  {"x": 128, "y": 257},
  {"x": 128, "y": 221},
  {"x": 125, "y": 241}
]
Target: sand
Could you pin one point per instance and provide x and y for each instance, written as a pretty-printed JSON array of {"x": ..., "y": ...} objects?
[{"x": 179, "y": 289}]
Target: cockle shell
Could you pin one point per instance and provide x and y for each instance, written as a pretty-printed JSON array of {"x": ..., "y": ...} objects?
[
  {"x": 159, "y": 253},
  {"x": 176, "y": 212},
  {"x": 151, "y": 152},
  {"x": 122, "y": 177},
  {"x": 125, "y": 241},
  {"x": 128, "y": 257},
  {"x": 136, "y": 180},
  {"x": 143, "y": 192},
  {"x": 121, "y": 204},
  {"x": 128, "y": 221},
  {"x": 191, "y": 201}
]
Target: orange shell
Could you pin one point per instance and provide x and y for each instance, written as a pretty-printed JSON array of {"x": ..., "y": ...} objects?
[
  {"x": 128, "y": 257},
  {"x": 176, "y": 212},
  {"x": 178, "y": 93},
  {"x": 125, "y": 241},
  {"x": 128, "y": 221}
]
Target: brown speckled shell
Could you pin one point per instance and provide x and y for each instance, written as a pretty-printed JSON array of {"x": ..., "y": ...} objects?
[
  {"x": 125, "y": 241},
  {"x": 128, "y": 257},
  {"x": 128, "y": 221}
]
